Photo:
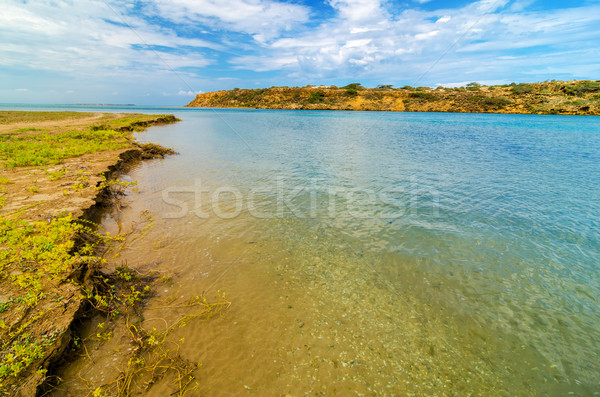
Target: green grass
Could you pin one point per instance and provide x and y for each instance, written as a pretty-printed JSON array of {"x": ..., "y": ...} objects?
[
  {"x": 10, "y": 117},
  {"x": 50, "y": 149}
]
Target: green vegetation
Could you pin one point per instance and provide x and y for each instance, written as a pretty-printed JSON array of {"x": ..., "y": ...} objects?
[
  {"x": 424, "y": 96},
  {"x": 522, "y": 89},
  {"x": 41, "y": 251},
  {"x": 315, "y": 97},
  {"x": 582, "y": 88},
  {"x": 42, "y": 263},
  {"x": 490, "y": 103},
  {"x": 474, "y": 97},
  {"x": 44, "y": 149},
  {"x": 32, "y": 256},
  {"x": 30, "y": 117},
  {"x": 473, "y": 86},
  {"x": 352, "y": 89}
]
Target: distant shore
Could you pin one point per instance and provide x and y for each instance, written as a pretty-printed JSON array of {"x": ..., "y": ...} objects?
[{"x": 557, "y": 97}]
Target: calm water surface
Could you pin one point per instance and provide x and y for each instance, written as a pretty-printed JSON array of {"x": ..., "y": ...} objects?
[{"x": 376, "y": 253}]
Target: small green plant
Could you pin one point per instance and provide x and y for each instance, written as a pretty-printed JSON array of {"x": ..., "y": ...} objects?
[{"x": 55, "y": 175}]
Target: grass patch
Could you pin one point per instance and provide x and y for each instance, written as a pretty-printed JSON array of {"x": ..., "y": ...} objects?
[
  {"x": 34, "y": 252},
  {"x": 49, "y": 149},
  {"x": 31, "y": 256},
  {"x": 32, "y": 117}
]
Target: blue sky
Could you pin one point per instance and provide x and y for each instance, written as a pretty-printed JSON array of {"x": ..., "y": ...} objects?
[{"x": 162, "y": 52}]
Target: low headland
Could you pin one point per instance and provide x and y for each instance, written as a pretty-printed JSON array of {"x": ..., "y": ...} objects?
[
  {"x": 57, "y": 170},
  {"x": 553, "y": 97}
]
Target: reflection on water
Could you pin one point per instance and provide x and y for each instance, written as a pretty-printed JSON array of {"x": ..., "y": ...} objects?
[{"x": 373, "y": 253}]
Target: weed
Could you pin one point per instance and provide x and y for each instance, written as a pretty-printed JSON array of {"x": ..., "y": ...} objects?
[{"x": 55, "y": 175}]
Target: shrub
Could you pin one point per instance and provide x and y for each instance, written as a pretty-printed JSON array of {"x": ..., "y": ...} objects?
[
  {"x": 424, "y": 96},
  {"x": 582, "y": 88},
  {"x": 488, "y": 103},
  {"x": 353, "y": 86},
  {"x": 315, "y": 97},
  {"x": 473, "y": 86},
  {"x": 521, "y": 89}
]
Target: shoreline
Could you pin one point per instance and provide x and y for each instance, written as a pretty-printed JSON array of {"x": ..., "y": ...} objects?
[{"x": 53, "y": 204}]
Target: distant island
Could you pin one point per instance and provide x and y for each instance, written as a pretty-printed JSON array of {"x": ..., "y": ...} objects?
[
  {"x": 552, "y": 97},
  {"x": 104, "y": 104}
]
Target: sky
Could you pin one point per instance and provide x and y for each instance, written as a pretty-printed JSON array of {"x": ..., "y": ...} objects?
[{"x": 164, "y": 52}]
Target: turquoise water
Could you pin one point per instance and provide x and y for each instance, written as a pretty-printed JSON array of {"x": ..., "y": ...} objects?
[
  {"x": 501, "y": 212},
  {"x": 488, "y": 225}
]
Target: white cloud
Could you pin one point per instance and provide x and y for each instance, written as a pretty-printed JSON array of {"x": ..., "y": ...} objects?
[
  {"x": 358, "y": 10},
  {"x": 189, "y": 93},
  {"x": 76, "y": 37},
  {"x": 264, "y": 18},
  {"x": 21, "y": 90},
  {"x": 365, "y": 39}
]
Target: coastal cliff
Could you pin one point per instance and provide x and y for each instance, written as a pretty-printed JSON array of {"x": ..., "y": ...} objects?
[{"x": 556, "y": 97}]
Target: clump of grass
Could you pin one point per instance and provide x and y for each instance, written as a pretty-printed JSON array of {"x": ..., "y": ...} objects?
[{"x": 5, "y": 181}]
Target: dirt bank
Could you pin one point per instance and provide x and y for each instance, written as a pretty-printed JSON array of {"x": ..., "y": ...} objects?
[{"x": 57, "y": 167}]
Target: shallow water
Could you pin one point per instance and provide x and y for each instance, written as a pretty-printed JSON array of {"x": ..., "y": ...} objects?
[{"x": 376, "y": 253}]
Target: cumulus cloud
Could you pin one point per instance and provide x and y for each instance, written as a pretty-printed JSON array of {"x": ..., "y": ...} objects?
[
  {"x": 365, "y": 38},
  {"x": 264, "y": 18}
]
